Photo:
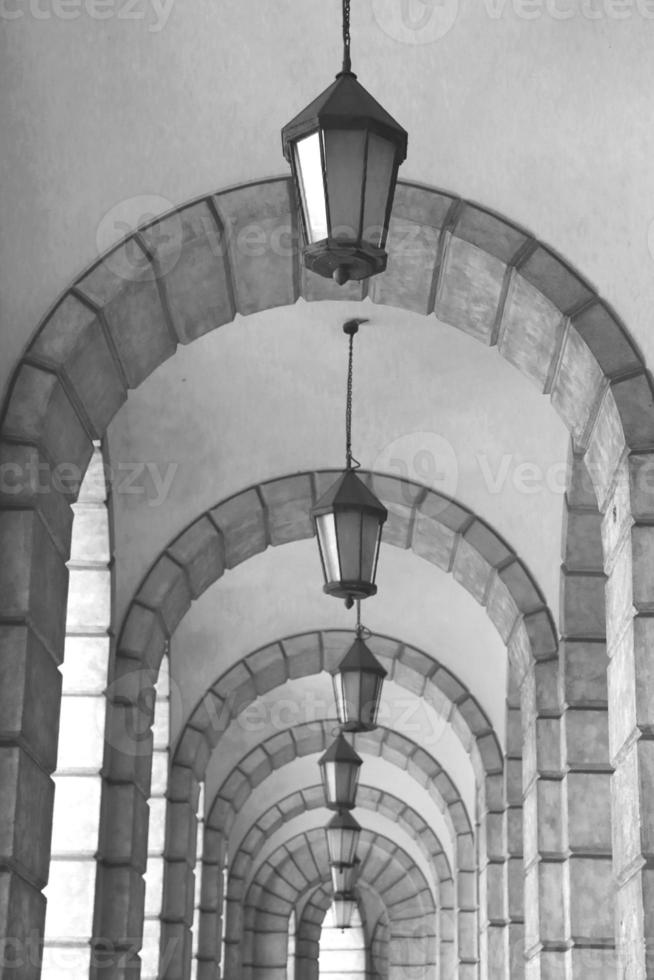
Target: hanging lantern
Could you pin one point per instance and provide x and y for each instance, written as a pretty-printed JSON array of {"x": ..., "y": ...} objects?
[
  {"x": 344, "y": 906},
  {"x": 344, "y": 876},
  {"x": 339, "y": 768},
  {"x": 357, "y": 688},
  {"x": 342, "y": 838},
  {"x": 345, "y": 150},
  {"x": 348, "y": 520}
]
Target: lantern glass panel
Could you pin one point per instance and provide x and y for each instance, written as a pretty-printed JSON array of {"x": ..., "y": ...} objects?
[
  {"x": 308, "y": 164},
  {"x": 344, "y": 876},
  {"x": 370, "y": 539},
  {"x": 342, "y": 844},
  {"x": 344, "y": 159},
  {"x": 340, "y": 782},
  {"x": 380, "y": 165},
  {"x": 326, "y": 530},
  {"x": 343, "y": 909},
  {"x": 348, "y": 533}
]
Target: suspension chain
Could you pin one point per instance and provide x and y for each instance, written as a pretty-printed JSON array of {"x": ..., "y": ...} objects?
[{"x": 347, "y": 63}]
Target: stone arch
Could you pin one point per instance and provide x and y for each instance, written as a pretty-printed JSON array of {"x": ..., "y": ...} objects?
[
  {"x": 437, "y": 529},
  {"x": 301, "y": 864},
  {"x": 376, "y": 930},
  {"x": 472, "y": 269},
  {"x": 398, "y": 750},
  {"x": 311, "y": 798}
]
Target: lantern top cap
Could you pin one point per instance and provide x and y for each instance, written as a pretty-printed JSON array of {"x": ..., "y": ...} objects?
[
  {"x": 345, "y": 104},
  {"x": 343, "y": 821},
  {"x": 341, "y": 751},
  {"x": 345, "y": 897},
  {"x": 360, "y": 658},
  {"x": 349, "y": 491}
]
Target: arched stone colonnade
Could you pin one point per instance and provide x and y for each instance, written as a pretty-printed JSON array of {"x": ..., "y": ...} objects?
[{"x": 477, "y": 273}]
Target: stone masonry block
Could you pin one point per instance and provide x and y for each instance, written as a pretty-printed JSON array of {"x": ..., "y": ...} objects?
[
  {"x": 25, "y": 814},
  {"x": 531, "y": 331},
  {"x": 123, "y": 286},
  {"x": 606, "y": 340},
  {"x": 22, "y": 918},
  {"x": 268, "y": 667},
  {"x": 200, "y": 551},
  {"x": 166, "y": 589},
  {"x": 30, "y": 690},
  {"x": 121, "y": 893},
  {"x": 258, "y": 223},
  {"x": 489, "y": 232},
  {"x": 242, "y": 523},
  {"x": 635, "y": 403},
  {"x": 39, "y": 411},
  {"x": 303, "y": 655},
  {"x": 33, "y": 578},
  {"x": 471, "y": 286},
  {"x": 577, "y": 386},
  {"x": 409, "y": 276},
  {"x": 605, "y": 448},
  {"x": 74, "y": 342},
  {"x": 125, "y": 820},
  {"x": 288, "y": 503},
  {"x": 190, "y": 252}
]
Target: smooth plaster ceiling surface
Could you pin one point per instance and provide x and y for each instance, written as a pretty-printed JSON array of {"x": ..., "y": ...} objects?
[
  {"x": 264, "y": 397},
  {"x": 544, "y": 118}
]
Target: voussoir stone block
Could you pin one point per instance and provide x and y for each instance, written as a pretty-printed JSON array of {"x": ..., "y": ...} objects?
[
  {"x": 413, "y": 254},
  {"x": 40, "y": 411},
  {"x": 30, "y": 482},
  {"x": 605, "y": 447},
  {"x": 635, "y": 403},
  {"x": 577, "y": 387},
  {"x": 268, "y": 667},
  {"x": 166, "y": 589},
  {"x": 142, "y": 637},
  {"x": 190, "y": 252},
  {"x": 606, "y": 339},
  {"x": 553, "y": 278},
  {"x": 73, "y": 341},
  {"x": 241, "y": 520},
  {"x": 489, "y": 232},
  {"x": 470, "y": 289},
  {"x": 124, "y": 287},
  {"x": 471, "y": 570},
  {"x": 288, "y": 503},
  {"x": 303, "y": 655},
  {"x": 258, "y": 223},
  {"x": 199, "y": 550},
  {"x": 531, "y": 331}
]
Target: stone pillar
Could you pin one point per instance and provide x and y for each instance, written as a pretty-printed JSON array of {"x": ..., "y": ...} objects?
[
  {"x": 629, "y": 563},
  {"x": 579, "y": 693},
  {"x": 34, "y": 536},
  {"x": 514, "y": 833}
]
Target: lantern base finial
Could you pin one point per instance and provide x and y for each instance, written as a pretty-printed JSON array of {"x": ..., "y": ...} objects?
[
  {"x": 344, "y": 261},
  {"x": 341, "y": 275}
]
